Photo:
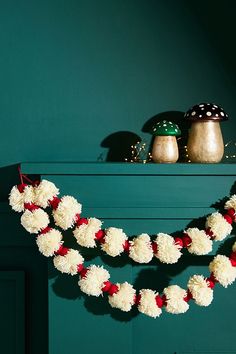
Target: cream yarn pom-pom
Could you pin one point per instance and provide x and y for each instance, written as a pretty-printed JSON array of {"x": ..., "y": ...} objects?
[
  {"x": 85, "y": 233},
  {"x": 231, "y": 203},
  {"x": 18, "y": 199},
  {"x": 44, "y": 192},
  {"x": 48, "y": 243},
  {"x": 201, "y": 293},
  {"x": 114, "y": 241},
  {"x": 167, "y": 250},
  {"x": 124, "y": 298},
  {"x": 92, "y": 282},
  {"x": 219, "y": 226},
  {"x": 223, "y": 270},
  {"x": 141, "y": 249},
  {"x": 34, "y": 221},
  {"x": 147, "y": 304},
  {"x": 175, "y": 299},
  {"x": 200, "y": 242},
  {"x": 69, "y": 262},
  {"x": 65, "y": 213}
]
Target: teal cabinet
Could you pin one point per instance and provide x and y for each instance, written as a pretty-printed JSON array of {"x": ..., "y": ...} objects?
[{"x": 140, "y": 198}]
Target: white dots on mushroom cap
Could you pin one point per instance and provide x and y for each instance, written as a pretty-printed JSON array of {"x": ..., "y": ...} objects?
[{"x": 209, "y": 113}]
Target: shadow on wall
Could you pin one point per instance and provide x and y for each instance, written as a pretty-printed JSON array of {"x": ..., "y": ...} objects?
[{"x": 119, "y": 143}]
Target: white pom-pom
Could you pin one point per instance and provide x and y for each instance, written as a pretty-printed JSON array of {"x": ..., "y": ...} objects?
[
  {"x": 124, "y": 298},
  {"x": 175, "y": 299},
  {"x": 18, "y": 199},
  {"x": 35, "y": 220},
  {"x": 85, "y": 233},
  {"x": 201, "y": 293},
  {"x": 223, "y": 270},
  {"x": 68, "y": 263},
  {"x": 231, "y": 203},
  {"x": 218, "y": 225},
  {"x": 44, "y": 192},
  {"x": 92, "y": 282},
  {"x": 65, "y": 213},
  {"x": 167, "y": 250},
  {"x": 48, "y": 243},
  {"x": 114, "y": 241},
  {"x": 201, "y": 243},
  {"x": 141, "y": 249},
  {"x": 147, "y": 303}
]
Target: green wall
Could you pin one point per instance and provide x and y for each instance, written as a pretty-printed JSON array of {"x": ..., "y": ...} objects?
[{"x": 75, "y": 71}]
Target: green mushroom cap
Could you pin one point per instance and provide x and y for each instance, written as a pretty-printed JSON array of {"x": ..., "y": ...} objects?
[{"x": 166, "y": 128}]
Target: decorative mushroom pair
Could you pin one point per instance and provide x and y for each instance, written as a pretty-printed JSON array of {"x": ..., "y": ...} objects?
[{"x": 205, "y": 141}]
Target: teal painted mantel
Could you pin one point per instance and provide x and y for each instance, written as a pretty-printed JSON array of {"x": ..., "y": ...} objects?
[{"x": 140, "y": 198}]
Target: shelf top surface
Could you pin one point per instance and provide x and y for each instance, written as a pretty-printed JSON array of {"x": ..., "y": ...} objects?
[{"x": 116, "y": 168}]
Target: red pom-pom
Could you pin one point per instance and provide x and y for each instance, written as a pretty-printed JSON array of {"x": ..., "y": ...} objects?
[
  {"x": 179, "y": 242},
  {"x": 154, "y": 247},
  {"x": 188, "y": 297},
  {"x": 106, "y": 286},
  {"x": 46, "y": 230},
  {"x": 126, "y": 246},
  {"x": 210, "y": 233},
  {"x": 77, "y": 217},
  {"x": 54, "y": 202},
  {"x": 160, "y": 301},
  {"x": 82, "y": 221},
  {"x": 228, "y": 218},
  {"x": 231, "y": 213},
  {"x": 100, "y": 235},
  {"x": 83, "y": 272},
  {"x": 80, "y": 267},
  {"x": 113, "y": 289},
  {"x": 232, "y": 259},
  {"x": 30, "y": 206},
  {"x": 137, "y": 299},
  {"x": 62, "y": 251},
  {"x": 21, "y": 187},
  {"x": 186, "y": 240},
  {"x": 211, "y": 281}
]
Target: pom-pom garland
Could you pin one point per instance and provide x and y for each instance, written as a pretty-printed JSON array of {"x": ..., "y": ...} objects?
[
  {"x": 175, "y": 302},
  {"x": 200, "y": 290},
  {"x": 231, "y": 203},
  {"x": 113, "y": 241},
  {"x": 147, "y": 303},
  {"x": 20, "y": 195},
  {"x": 34, "y": 219},
  {"x": 223, "y": 270},
  {"x": 44, "y": 192},
  {"x": 141, "y": 249},
  {"x": 85, "y": 232},
  {"x": 69, "y": 262},
  {"x": 167, "y": 250},
  {"x": 49, "y": 242},
  {"x": 123, "y": 299},
  {"x": 94, "y": 280},
  {"x": 201, "y": 243},
  {"x": 66, "y": 213},
  {"x": 219, "y": 226}
]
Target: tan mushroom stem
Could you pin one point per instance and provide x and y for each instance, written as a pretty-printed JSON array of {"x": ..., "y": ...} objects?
[
  {"x": 165, "y": 149},
  {"x": 205, "y": 142}
]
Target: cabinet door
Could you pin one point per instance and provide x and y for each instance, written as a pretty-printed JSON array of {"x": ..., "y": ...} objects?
[
  {"x": 79, "y": 323},
  {"x": 23, "y": 289}
]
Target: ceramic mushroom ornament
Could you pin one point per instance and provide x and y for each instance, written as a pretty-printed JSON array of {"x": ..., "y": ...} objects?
[
  {"x": 205, "y": 141},
  {"x": 165, "y": 148}
]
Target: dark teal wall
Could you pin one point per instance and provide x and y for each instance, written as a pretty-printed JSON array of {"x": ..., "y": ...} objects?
[{"x": 75, "y": 71}]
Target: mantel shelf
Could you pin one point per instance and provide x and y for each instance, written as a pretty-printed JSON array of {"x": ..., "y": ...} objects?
[{"x": 106, "y": 168}]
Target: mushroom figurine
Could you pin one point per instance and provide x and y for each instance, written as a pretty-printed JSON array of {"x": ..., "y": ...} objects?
[
  {"x": 165, "y": 147},
  {"x": 205, "y": 141}
]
